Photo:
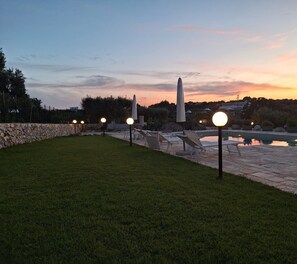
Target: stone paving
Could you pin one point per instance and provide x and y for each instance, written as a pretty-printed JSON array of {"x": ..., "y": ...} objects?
[{"x": 272, "y": 165}]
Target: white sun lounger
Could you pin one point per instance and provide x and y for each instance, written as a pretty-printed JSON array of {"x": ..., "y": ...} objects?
[
  {"x": 193, "y": 140},
  {"x": 170, "y": 139},
  {"x": 153, "y": 142}
]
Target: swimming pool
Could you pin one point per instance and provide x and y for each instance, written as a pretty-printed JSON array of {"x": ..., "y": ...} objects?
[{"x": 253, "y": 137}]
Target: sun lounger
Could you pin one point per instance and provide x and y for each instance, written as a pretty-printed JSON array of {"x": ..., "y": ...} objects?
[
  {"x": 193, "y": 140},
  {"x": 157, "y": 136},
  {"x": 143, "y": 134},
  {"x": 169, "y": 139},
  {"x": 153, "y": 142},
  {"x": 155, "y": 139}
]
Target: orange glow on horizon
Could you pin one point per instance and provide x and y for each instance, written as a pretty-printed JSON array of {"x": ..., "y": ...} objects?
[
  {"x": 212, "y": 91},
  {"x": 201, "y": 92},
  {"x": 208, "y": 98}
]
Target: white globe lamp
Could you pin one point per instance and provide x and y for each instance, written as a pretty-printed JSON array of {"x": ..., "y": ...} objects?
[
  {"x": 130, "y": 122},
  {"x": 220, "y": 119}
]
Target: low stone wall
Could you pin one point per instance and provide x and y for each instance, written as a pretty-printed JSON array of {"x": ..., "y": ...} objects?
[{"x": 20, "y": 133}]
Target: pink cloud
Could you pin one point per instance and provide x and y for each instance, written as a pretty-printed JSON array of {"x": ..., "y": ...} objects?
[
  {"x": 212, "y": 91},
  {"x": 272, "y": 46},
  {"x": 257, "y": 73},
  {"x": 288, "y": 58},
  {"x": 275, "y": 42}
]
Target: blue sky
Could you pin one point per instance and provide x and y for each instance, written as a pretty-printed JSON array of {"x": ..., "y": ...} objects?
[{"x": 222, "y": 49}]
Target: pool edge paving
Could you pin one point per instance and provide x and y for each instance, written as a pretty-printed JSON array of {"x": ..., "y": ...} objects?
[{"x": 270, "y": 165}]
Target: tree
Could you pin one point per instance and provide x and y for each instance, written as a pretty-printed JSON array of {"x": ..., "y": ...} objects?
[
  {"x": 109, "y": 107},
  {"x": 15, "y": 104},
  {"x": 3, "y": 87},
  {"x": 17, "y": 83},
  {"x": 277, "y": 117},
  {"x": 2, "y": 60}
]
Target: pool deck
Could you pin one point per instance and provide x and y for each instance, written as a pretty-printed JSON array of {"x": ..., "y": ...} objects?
[{"x": 271, "y": 165}]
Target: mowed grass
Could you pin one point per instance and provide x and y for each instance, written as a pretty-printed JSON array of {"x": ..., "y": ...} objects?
[{"x": 97, "y": 200}]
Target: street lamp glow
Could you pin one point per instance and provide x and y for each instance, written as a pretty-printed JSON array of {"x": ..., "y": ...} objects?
[
  {"x": 200, "y": 121},
  {"x": 103, "y": 120},
  {"x": 82, "y": 122},
  {"x": 130, "y": 121},
  {"x": 220, "y": 119},
  {"x": 252, "y": 123},
  {"x": 74, "y": 121}
]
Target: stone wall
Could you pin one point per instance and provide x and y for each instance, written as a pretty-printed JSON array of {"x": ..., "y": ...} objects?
[{"x": 20, "y": 133}]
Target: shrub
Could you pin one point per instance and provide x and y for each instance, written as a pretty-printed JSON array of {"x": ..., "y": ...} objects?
[
  {"x": 292, "y": 122},
  {"x": 267, "y": 123},
  {"x": 279, "y": 129},
  {"x": 292, "y": 125},
  {"x": 246, "y": 122}
]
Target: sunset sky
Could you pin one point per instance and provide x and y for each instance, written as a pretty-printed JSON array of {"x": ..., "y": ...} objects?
[{"x": 68, "y": 49}]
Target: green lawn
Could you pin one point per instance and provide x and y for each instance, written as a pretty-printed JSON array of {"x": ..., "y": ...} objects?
[{"x": 97, "y": 200}]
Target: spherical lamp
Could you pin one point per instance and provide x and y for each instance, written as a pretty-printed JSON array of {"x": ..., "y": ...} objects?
[
  {"x": 74, "y": 123},
  {"x": 130, "y": 122},
  {"x": 220, "y": 119},
  {"x": 103, "y": 121}
]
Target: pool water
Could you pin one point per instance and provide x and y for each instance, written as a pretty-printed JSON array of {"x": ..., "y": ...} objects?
[{"x": 254, "y": 142}]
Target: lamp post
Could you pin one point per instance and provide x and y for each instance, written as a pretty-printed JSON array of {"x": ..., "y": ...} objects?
[
  {"x": 82, "y": 125},
  {"x": 130, "y": 122},
  {"x": 103, "y": 121},
  {"x": 220, "y": 119},
  {"x": 74, "y": 123}
]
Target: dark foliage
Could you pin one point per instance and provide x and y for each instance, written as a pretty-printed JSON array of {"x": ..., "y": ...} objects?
[{"x": 116, "y": 109}]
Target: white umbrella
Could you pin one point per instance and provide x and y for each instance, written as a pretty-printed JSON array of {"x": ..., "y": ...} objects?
[
  {"x": 180, "y": 104},
  {"x": 134, "y": 108}
]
